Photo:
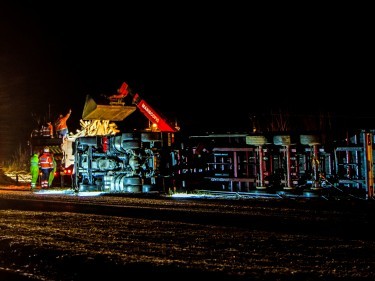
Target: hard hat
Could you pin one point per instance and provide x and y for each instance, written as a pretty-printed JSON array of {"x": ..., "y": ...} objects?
[{"x": 46, "y": 149}]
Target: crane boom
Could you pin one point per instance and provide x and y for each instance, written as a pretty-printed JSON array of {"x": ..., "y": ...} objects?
[
  {"x": 162, "y": 124},
  {"x": 152, "y": 115}
]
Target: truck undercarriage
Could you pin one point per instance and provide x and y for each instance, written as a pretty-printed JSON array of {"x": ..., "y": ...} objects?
[{"x": 128, "y": 162}]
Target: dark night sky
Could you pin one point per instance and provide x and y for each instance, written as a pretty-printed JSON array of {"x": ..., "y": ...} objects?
[{"x": 208, "y": 68}]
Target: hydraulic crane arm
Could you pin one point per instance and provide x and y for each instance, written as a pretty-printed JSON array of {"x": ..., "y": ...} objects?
[
  {"x": 162, "y": 124},
  {"x": 151, "y": 115}
]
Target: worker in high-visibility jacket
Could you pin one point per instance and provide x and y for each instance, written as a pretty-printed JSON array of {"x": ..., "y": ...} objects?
[
  {"x": 46, "y": 166},
  {"x": 34, "y": 169},
  {"x": 52, "y": 173},
  {"x": 60, "y": 125}
]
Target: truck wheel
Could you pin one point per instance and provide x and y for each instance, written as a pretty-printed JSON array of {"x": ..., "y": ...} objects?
[{"x": 132, "y": 184}]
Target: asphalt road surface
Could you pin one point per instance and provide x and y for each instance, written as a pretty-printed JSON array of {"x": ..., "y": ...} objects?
[{"x": 65, "y": 236}]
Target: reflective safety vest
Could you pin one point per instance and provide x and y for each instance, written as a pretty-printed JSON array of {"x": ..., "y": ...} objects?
[
  {"x": 60, "y": 123},
  {"x": 46, "y": 131},
  {"x": 45, "y": 161},
  {"x": 34, "y": 160}
]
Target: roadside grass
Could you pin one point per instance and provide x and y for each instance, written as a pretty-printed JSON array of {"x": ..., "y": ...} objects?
[{"x": 16, "y": 169}]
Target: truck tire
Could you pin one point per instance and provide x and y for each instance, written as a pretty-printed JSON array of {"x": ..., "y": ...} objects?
[{"x": 132, "y": 184}]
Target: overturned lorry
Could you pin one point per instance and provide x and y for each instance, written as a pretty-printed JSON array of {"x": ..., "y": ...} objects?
[
  {"x": 127, "y": 162},
  {"x": 107, "y": 160},
  {"x": 159, "y": 159}
]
